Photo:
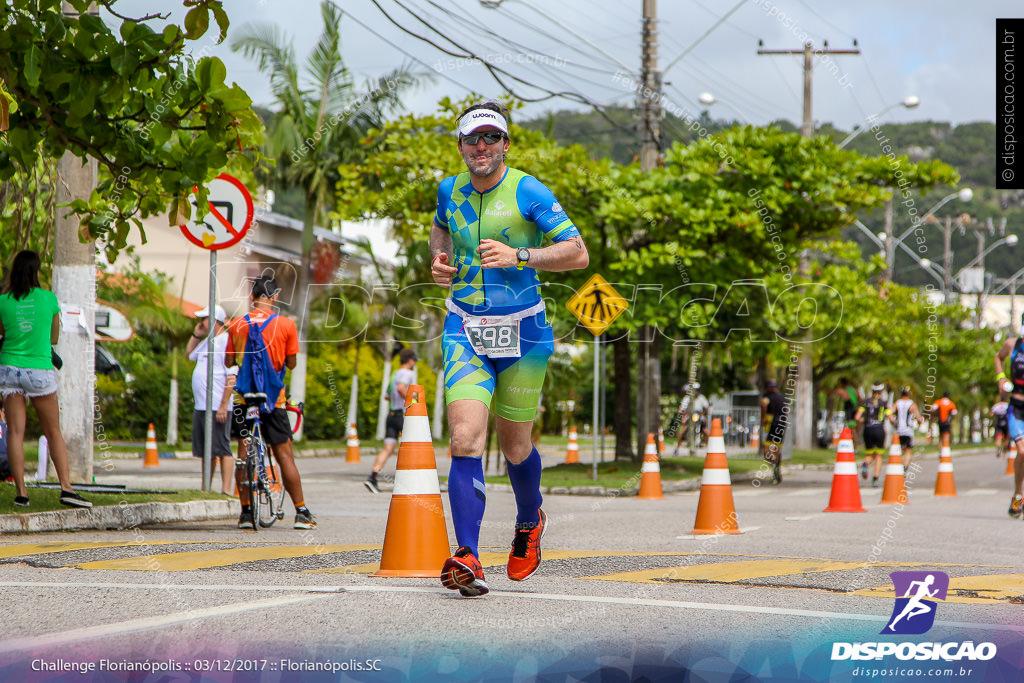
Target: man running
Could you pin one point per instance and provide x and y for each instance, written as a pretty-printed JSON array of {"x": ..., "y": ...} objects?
[
  {"x": 401, "y": 380},
  {"x": 698, "y": 411},
  {"x": 1002, "y": 427},
  {"x": 485, "y": 245},
  {"x": 774, "y": 413},
  {"x": 872, "y": 415},
  {"x": 1013, "y": 349},
  {"x": 905, "y": 416},
  {"x": 944, "y": 410}
]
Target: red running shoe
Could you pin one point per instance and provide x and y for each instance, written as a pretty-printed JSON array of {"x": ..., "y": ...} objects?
[
  {"x": 525, "y": 556},
  {"x": 463, "y": 571}
]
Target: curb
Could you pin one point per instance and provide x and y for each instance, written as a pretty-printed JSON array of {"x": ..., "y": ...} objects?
[{"x": 114, "y": 517}]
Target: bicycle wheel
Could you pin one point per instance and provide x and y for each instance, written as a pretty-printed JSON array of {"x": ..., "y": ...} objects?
[
  {"x": 252, "y": 473},
  {"x": 271, "y": 493}
]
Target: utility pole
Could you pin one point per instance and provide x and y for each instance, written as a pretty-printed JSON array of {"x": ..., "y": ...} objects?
[
  {"x": 649, "y": 112},
  {"x": 804, "y": 409},
  {"x": 74, "y": 284}
]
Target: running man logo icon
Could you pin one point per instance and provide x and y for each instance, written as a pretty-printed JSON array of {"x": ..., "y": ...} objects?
[{"x": 916, "y": 593}]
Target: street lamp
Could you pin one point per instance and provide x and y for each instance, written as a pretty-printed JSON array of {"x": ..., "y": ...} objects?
[
  {"x": 707, "y": 99},
  {"x": 964, "y": 194},
  {"x": 908, "y": 102}
]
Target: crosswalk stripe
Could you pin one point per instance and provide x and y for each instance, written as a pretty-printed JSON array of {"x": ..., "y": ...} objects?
[
  {"x": 730, "y": 572},
  {"x": 981, "y": 492},
  {"x": 980, "y": 589},
  {"x": 206, "y": 559},
  {"x": 25, "y": 549}
]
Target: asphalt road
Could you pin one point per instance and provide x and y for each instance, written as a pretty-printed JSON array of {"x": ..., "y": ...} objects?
[{"x": 624, "y": 592}]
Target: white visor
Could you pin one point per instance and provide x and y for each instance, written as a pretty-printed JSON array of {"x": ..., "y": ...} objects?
[{"x": 478, "y": 118}]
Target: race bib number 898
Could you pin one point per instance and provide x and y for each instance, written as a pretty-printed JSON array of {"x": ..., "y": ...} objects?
[{"x": 494, "y": 337}]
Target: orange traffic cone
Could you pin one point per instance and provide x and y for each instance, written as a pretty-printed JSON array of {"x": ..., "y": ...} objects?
[
  {"x": 895, "y": 490},
  {"x": 572, "y": 451},
  {"x": 945, "y": 485},
  {"x": 755, "y": 437},
  {"x": 416, "y": 538},
  {"x": 716, "y": 513},
  {"x": 650, "y": 478},
  {"x": 152, "y": 458},
  {"x": 1011, "y": 457},
  {"x": 352, "y": 453},
  {"x": 661, "y": 441},
  {"x": 845, "y": 486}
]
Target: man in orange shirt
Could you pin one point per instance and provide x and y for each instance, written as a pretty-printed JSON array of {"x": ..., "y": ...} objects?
[
  {"x": 944, "y": 409},
  {"x": 282, "y": 340}
]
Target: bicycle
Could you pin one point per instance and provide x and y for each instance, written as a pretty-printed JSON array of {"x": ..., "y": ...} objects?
[{"x": 261, "y": 475}]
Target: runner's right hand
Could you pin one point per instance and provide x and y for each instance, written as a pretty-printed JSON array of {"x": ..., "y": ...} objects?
[{"x": 441, "y": 271}]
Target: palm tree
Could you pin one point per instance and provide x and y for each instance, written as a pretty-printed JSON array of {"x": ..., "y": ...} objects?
[{"x": 322, "y": 115}]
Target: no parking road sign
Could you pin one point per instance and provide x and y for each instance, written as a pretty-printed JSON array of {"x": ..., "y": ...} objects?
[{"x": 229, "y": 218}]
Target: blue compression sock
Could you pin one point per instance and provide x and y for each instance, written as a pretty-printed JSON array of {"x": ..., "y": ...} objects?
[
  {"x": 525, "y": 478},
  {"x": 467, "y": 499}
]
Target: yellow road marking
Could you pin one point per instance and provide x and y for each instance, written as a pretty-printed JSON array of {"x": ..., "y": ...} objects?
[
  {"x": 60, "y": 547},
  {"x": 987, "y": 588},
  {"x": 183, "y": 562},
  {"x": 729, "y": 572}
]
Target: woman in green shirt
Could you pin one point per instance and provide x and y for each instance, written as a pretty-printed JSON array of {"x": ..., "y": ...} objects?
[{"x": 30, "y": 325}]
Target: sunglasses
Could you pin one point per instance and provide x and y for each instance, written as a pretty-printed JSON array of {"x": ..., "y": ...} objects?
[{"x": 490, "y": 137}]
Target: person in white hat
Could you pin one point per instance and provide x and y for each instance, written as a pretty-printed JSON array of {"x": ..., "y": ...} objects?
[
  {"x": 223, "y": 383},
  {"x": 486, "y": 248}
]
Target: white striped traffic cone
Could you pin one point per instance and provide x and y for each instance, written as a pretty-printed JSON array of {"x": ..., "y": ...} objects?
[
  {"x": 650, "y": 477},
  {"x": 716, "y": 513},
  {"x": 416, "y": 538},
  {"x": 352, "y": 452}
]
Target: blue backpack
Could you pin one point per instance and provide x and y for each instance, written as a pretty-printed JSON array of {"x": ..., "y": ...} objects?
[{"x": 257, "y": 373}]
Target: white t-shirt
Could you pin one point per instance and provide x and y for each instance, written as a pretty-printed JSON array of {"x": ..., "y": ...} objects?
[
  {"x": 220, "y": 371},
  {"x": 700, "y": 404},
  {"x": 401, "y": 376}
]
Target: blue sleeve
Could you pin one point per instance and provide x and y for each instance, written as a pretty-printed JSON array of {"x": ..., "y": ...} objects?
[
  {"x": 538, "y": 205},
  {"x": 444, "y": 197}
]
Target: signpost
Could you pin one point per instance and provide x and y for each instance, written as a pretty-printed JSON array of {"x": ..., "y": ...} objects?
[
  {"x": 230, "y": 217},
  {"x": 596, "y": 305}
]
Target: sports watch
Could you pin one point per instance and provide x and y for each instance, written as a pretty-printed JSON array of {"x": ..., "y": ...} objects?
[{"x": 523, "y": 254}]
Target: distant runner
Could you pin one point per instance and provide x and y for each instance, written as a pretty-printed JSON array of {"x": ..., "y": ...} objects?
[
  {"x": 906, "y": 417},
  {"x": 873, "y": 415}
]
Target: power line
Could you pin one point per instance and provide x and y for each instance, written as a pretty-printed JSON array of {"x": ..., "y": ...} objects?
[
  {"x": 492, "y": 69},
  {"x": 831, "y": 25},
  {"x": 354, "y": 18},
  {"x": 731, "y": 25},
  {"x": 478, "y": 25},
  {"x": 704, "y": 35},
  {"x": 567, "y": 28}
]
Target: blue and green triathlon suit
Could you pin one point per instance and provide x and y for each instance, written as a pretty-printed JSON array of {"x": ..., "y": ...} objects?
[{"x": 520, "y": 212}]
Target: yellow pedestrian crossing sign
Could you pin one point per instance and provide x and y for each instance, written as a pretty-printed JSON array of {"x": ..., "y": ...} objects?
[{"x": 596, "y": 304}]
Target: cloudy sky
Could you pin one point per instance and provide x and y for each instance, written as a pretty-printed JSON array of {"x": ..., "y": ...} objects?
[{"x": 942, "y": 51}]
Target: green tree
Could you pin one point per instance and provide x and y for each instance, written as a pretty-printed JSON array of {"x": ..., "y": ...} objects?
[
  {"x": 158, "y": 120},
  {"x": 322, "y": 117}
]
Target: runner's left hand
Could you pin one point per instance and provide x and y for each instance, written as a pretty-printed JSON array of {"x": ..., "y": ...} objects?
[{"x": 495, "y": 254}]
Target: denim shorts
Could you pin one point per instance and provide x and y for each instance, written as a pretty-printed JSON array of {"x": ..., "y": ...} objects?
[{"x": 33, "y": 382}]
